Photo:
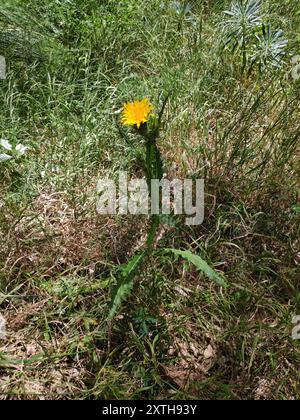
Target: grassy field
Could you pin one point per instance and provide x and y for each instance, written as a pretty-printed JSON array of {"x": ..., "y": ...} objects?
[{"x": 232, "y": 117}]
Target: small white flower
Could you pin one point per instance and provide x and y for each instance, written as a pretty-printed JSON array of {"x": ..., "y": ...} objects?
[
  {"x": 21, "y": 149},
  {"x": 5, "y": 144},
  {"x": 4, "y": 157}
]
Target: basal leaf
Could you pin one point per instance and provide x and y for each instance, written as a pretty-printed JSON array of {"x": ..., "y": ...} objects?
[{"x": 200, "y": 264}]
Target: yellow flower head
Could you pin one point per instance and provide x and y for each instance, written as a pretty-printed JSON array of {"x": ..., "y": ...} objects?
[{"x": 137, "y": 112}]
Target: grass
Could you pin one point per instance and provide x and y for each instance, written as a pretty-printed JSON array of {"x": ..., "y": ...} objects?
[{"x": 70, "y": 69}]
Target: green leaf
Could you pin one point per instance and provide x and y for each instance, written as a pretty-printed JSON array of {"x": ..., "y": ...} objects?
[
  {"x": 5, "y": 362},
  {"x": 296, "y": 208},
  {"x": 125, "y": 284},
  {"x": 200, "y": 264}
]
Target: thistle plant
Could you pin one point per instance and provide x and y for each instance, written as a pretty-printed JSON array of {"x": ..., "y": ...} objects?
[{"x": 139, "y": 115}]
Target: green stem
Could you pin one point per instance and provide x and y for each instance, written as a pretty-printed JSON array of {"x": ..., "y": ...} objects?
[{"x": 154, "y": 170}]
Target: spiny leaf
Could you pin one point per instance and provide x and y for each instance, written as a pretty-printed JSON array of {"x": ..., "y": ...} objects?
[
  {"x": 125, "y": 284},
  {"x": 200, "y": 264}
]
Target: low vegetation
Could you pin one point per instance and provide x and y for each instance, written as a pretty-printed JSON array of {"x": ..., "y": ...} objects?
[{"x": 228, "y": 75}]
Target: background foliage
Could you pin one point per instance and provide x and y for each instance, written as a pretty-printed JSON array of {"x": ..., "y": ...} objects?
[{"x": 232, "y": 118}]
